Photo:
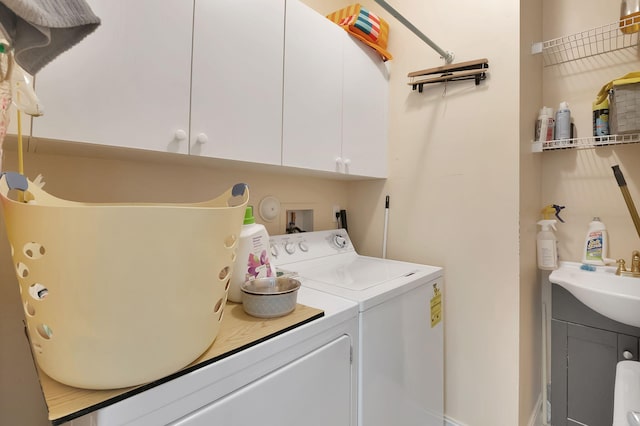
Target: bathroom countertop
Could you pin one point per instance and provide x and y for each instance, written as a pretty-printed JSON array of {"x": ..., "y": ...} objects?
[{"x": 237, "y": 332}]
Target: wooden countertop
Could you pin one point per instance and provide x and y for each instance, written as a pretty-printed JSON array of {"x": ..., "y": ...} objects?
[{"x": 237, "y": 332}]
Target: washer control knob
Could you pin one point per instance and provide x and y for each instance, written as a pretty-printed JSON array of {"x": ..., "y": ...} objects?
[
  {"x": 627, "y": 355},
  {"x": 274, "y": 250},
  {"x": 340, "y": 241},
  {"x": 303, "y": 246},
  {"x": 290, "y": 248}
]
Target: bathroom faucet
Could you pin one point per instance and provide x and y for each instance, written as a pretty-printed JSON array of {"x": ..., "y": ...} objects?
[{"x": 635, "y": 265}]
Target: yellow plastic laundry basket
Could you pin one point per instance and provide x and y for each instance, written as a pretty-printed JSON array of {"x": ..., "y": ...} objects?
[{"x": 117, "y": 295}]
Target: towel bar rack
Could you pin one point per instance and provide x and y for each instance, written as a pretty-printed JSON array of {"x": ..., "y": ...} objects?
[
  {"x": 447, "y": 56},
  {"x": 476, "y": 70}
]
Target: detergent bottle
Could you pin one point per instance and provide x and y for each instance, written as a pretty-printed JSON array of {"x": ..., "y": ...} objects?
[
  {"x": 252, "y": 256},
  {"x": 596, "y": 244}
]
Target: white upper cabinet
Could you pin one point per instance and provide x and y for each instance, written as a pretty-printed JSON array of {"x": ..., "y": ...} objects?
[
  {"x": 127, "y": 83},
  {"x": 312, "y": 125},
  {"x": 365, "y": 110},
  {"x": 236, "y": 92},
  {"x": 336, "y": 96},
  {"x": 222, "y": 79}
]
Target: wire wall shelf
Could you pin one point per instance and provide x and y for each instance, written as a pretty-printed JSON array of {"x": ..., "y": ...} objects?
[
  {"x": 582, "y": 143},
  {"x": 589, "y": 43}
]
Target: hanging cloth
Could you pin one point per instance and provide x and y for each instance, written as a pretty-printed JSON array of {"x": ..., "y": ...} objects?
[{"x": 40, "y": 30}]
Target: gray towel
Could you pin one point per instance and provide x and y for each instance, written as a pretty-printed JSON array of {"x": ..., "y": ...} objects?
[{"x": 40, "y": 30}]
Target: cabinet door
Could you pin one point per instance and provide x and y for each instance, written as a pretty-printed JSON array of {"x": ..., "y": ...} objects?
[
  {"x": 365, "y": 110},
  {"x": 126, "y": 84},
  {"x": 592, "y": 355},
  {"x": 558, "y": 396},
  {"x": 312, "y": 132},
  {"x": 585, "y": 349},
  {"x": 236, "y": 92},
  {"x": 312, "y": 391}
]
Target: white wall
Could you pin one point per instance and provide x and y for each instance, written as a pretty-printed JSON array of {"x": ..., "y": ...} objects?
[
  {"x": 454, "y": 184},
  {"x": 582, "y": 180},
  {"x": 530, "y": 202}
]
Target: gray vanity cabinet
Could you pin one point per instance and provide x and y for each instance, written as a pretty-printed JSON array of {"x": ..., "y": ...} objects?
[{"x": 585, "y": 348}]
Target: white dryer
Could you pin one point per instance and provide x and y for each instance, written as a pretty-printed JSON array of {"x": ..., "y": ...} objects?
[{"x": 400, "y": 346}]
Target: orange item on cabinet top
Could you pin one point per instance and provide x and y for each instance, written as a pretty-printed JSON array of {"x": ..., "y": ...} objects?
[{"x": 364, "y": 25}]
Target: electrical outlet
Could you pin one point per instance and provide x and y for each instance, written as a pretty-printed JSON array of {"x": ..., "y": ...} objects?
[{"x": 336, "y": 211}]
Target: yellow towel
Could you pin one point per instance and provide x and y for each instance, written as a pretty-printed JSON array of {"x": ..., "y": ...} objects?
[{"x": 365, "y": 26}]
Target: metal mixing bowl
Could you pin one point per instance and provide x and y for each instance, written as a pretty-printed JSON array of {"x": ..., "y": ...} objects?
[{"x": 270, "y": 297}]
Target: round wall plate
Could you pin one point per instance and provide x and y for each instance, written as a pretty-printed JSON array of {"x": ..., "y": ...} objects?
[{"x": 269, "y": 208}]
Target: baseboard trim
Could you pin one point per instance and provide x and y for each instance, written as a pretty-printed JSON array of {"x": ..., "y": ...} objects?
[
  {"x": 448, "y": 421},
  {"x": 535, "y": 419}
]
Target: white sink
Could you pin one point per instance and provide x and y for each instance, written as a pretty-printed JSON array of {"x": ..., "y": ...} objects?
[{"x": 602, "y": 290}]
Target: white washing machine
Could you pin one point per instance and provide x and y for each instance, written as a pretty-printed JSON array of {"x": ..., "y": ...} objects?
[
  {"x": 400, "y": 353},
  {"x": 281, "y": 381}
]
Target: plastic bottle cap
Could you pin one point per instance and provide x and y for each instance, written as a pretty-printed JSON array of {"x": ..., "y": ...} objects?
[
  {"x": 248, "y": 216},
  {"x": 545, "y": 111},
  {"x": 563, "y": 105}
]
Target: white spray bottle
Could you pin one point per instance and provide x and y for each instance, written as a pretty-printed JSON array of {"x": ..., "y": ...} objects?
[{"x": 547, "y": 245}]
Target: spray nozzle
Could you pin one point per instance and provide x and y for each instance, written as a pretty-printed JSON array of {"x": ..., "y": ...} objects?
[
  {"x": 546, "y": 224},
  {"x": 552, "y": 209},
  {"x": 558, "y": 209}
]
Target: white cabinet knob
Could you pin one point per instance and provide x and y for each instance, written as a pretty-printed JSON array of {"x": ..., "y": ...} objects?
[
  {"x": 627, "y": 355},
  {"x": 180, "y": 135},
  {"x": 201, "y": 138},
  {"x": 342, "y": 164}
]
